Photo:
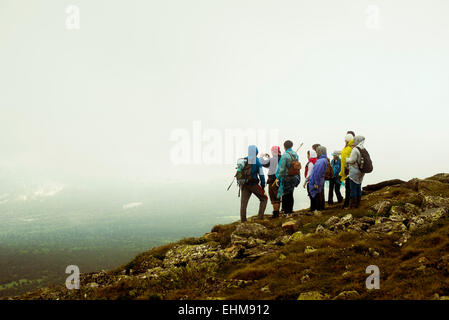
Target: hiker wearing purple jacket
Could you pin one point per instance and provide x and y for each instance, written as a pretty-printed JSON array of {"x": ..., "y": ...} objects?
[{"x": 316, "y": 180}]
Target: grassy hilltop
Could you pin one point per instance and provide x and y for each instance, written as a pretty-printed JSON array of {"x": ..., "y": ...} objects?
[{"x": 401, "y": 227}]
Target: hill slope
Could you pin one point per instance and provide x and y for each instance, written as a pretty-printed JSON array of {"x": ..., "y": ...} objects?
[{"x": 401, "y": 227}]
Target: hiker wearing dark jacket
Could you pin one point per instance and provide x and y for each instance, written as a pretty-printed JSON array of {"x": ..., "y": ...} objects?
[
  {"x": 287, "y": 183},
  {"x": 355, "y": 174},
  {"x": 316, "y": 180},
  {"x": 272, "y": 164},
  {"x": 253, "y": 187},
  {"x": 335, "y": 183}
]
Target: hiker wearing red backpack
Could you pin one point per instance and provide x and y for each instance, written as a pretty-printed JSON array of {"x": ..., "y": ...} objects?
[
  {"x": 251, "y": 186},
  {"x": 359, "y": 163}
]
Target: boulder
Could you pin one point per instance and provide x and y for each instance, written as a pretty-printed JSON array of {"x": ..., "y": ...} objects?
[
  {"x": 387, "y": 227},
  {"x": 382, "y": 207},
  {"x": 347, "y": 295},
  {"x": 211, "y": 236},
  {"x": 290, "y": 226},
  {"x": 266, "y": 289},
  {"x": 254, "y": 230},
  {"x": 184, "y": 254},
  {"x": 433, "y": 214},
  {"x": 309, "y": 249},
  {"x": 403, "y": 239},
  {"x": 332, "y": 221},
  {"x": 343, "y": 223},
  {"x": 233, "y": 252},
  {"x": 416, "y": 223},
  {"x": 296, "y": 236},
  {"x": 346, "y": 219},
  {"x": 259, "y": 251},
  {"x": 313, "y": 295},
  {"x": 435, "y": 202},
  {"x": 320, "y": 229},
  {"x": 246, "y": 242},
  {"x": 411, "y": 210}
]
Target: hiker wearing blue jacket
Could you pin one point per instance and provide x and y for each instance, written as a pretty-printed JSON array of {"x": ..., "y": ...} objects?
[
  {"x": 316, "y": 180},
  {"x": 287, "y": 183},
  {"x": 335, "y": 183},
  {"x": 253, "y": 186}
]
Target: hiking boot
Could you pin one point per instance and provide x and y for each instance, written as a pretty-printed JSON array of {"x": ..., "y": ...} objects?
[
  {"x": 275, "y": 215},
  {"x": 351, "y": 204},
  {"x": 357, "y": 202}
]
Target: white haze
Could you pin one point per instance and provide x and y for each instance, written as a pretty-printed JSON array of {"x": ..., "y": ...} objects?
[{"x": 98, "y": 105}]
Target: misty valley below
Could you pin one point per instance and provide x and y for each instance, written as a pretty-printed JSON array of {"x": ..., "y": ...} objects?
[{"x": 45, "y": 230}]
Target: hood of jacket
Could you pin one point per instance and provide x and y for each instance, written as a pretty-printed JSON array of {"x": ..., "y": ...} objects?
[
  {"x": 321, "y": 150},
  {"x": 252, "y": 153},
  {"x": 359, "y": 141}
]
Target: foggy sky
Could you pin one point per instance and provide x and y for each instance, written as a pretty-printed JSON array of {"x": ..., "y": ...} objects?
[{"x": 100, "y": 103}]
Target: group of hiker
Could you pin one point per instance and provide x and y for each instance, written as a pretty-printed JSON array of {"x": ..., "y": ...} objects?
[{"x": 347, "y": 167}]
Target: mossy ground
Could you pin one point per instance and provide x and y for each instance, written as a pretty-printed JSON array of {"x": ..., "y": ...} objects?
[{"x": 338, "y": 263}]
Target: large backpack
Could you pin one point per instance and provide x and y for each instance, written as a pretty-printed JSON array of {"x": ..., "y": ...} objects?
[
  {"x": 329, "y": 174},
  {"x": 295, "y": 166},
  {"x": 365, "y": 165},
  {"x": 243, "y": 174}
]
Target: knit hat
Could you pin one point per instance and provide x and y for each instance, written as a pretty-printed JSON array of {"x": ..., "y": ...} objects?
[
  {"x": 275, "y": 150},
  {"x": 336, "y": 152}
]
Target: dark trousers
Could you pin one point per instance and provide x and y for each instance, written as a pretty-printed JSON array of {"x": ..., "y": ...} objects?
[
  {"x": 322, "y": 200},
  {"x": 334, "y": 185},
  {"x": 315, "y": 202},
  {"x": 312, "y": 203},
  {"x": 247, "y": 191},
  {"x": 347, "y": 192},
  {"x": 356, "y": 190},
  {"x": 287, "y": 202}
]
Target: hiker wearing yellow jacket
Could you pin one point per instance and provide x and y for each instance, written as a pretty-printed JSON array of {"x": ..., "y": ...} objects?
[{"x": 346, "y": 153}]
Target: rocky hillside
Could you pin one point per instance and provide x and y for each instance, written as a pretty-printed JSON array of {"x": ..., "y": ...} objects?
[{"x": 401, "y": 227}]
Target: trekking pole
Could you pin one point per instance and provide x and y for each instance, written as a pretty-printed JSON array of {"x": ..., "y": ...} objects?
[{"x": 230, "y": 184}]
